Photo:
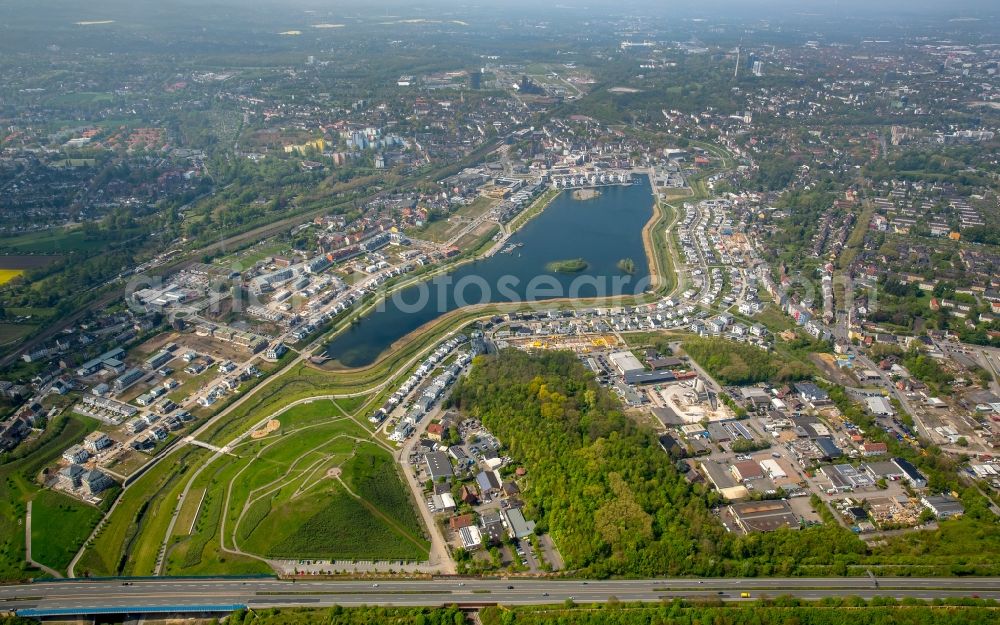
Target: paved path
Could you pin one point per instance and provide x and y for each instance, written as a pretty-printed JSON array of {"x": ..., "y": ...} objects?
[{"x": 194, "y": 441}]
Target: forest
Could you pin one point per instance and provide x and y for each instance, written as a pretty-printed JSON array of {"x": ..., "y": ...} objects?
[
  {"x": 803, "y": 208},
  {"x": 739, "y": 363},
  {"x": 957, "y": 165},
  {"x": 929, "y": 371},
  {"x": 989, "y": 235}
]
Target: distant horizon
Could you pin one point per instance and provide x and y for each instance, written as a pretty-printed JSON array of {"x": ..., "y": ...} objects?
[{"x": 709, "y": 9}]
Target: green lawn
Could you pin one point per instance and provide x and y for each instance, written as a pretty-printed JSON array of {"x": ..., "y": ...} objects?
[
  {"x": 297, "y": 510},
  {"x": 369, "y": 474},
  {"x": 12, "y": 332},
  {"x": 773, "y": 319},
  {"x": 192, "y": 383},
  {"x": 83, "y": 97},
  {"x": 316, "y": 411},
  {"x": 44, "y": 312},
  {"x": 443, "y": 229},
  {"x": 199, "y": 553},
  {"x": 351, "y": 405},
  {"x": 251, "y": 256},
  {"x": 59, "y": 525},
  {"x": 333, "y": 526},
  {"x": 534, "y": 209},
  {"x": 662, "y": 258},
  {"x": 54, "y": 241}
]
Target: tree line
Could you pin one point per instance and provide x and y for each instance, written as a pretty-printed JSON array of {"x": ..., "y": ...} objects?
[{"x": 780, "y": 611}]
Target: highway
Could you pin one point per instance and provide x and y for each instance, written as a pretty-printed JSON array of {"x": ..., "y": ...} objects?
[{"x": 180, "y": 593}]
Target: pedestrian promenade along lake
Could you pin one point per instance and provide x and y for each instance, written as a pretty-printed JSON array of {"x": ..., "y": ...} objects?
[{"x": 601, "y": 231}]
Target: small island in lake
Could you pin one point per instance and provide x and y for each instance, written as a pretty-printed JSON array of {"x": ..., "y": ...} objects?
[
  {"x": 573, "y": 265},
  {"x": 627, "y": 265},
  {"x": 586, "y": 194}
]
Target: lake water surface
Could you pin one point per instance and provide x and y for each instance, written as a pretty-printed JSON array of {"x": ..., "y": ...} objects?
[{"x": 601, "y": 231}]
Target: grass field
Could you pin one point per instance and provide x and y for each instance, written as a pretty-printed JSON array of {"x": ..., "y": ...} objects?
[
  {"x": 775, "y": 320},
  {"x": 83, "y": 97},
  {"x": 274, "y": 496},
  {"x": 351, "y": 405},
  {"x": 53, "y": 241},
  {"x": 189, "y": 511},
  {"x": 191, "y": 383},
  {"x": 662, "y": 258},
  {"x": 75, "y": 162},
  {"x": 295, "y": 509},
  {"x": 316, "y": 411},
  {"x": 195, "y": 542},
  {"x": 368, "y": 475},
  {"x": 300, "y": 382},
  {"x": 59, "y": 525},
  {"x": 35, "y": 312},
  {"x": 11, "y": 332},
  {"x": 444, "y": 229},
  {"x": 252, "y": 255},
  {"x": 338, "y": 528}
]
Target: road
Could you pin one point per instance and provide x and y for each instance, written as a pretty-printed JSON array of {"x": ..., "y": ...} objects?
[
  {"x": 108, "y": 594},
  {"x": 438, "y": 555}
]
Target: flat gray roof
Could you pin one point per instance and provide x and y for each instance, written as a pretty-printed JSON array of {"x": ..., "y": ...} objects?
[{"x": 438, "y": 464}]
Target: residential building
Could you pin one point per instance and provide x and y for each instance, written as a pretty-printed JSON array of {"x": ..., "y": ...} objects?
[
  {"x": 76, "y": 454},
  {"x": 95, "y": 442}
]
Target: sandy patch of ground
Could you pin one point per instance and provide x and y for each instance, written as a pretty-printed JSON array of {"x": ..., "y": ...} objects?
[{"x": 269, "y": 427}]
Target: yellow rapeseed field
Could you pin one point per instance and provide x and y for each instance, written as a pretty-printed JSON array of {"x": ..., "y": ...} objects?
[{"x": 6, "y": 275}]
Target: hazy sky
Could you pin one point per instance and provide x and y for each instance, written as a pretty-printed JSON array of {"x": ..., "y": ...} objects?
[{"x": 769, "y": 8}]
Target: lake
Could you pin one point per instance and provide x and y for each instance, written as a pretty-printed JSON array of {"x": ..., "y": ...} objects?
[{"x": 601, "y": 231}]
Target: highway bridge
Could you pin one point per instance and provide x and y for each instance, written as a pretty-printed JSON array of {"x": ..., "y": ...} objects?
[{"x": 203, "y": 595}]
